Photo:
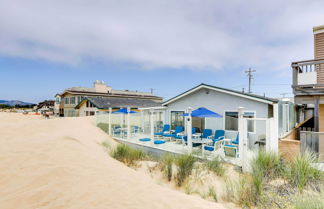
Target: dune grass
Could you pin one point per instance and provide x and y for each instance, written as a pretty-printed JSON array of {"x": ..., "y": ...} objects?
[
  {"x": 127, "y": 155},
  {"x": 185, "y": 164},
  {"x": 166, "y": 164},
  {"x": 313, "y": 201},
  {"x": 216, "y": 166},
  {"x": 301, "y": 173}
]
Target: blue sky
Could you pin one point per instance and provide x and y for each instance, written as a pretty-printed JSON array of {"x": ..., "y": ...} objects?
[{"x": 171, "y": 46}]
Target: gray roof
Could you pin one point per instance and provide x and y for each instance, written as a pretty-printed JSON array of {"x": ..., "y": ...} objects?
[
  {"x": 224, "y": 89},
  {"x": 106, "y": 102}
]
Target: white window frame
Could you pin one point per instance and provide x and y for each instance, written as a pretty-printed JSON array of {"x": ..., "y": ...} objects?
[{"x": 245, "y": 111}]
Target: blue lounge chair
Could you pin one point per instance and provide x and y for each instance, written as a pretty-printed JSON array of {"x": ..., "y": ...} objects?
[
  {"x": 178, "y": 130},
  {"x": 166, "y": 128},
  {"x": 206, "y": 133},
  {"x": 219, "y": 135}
]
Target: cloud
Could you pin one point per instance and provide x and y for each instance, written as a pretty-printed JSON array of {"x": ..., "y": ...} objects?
[{"x": 190, "y": 34}]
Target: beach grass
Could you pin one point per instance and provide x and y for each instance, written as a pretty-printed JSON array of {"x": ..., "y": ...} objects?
[{"x": 127, "y": 155}]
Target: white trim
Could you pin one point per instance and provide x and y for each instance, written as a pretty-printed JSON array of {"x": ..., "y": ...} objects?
[
  {"x": 150, "y": 108},
  {"x": 254, "y": 119},
  {"x": 220, "y": 90}
]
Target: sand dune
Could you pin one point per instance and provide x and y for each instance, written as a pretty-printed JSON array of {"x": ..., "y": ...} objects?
[{"x": 58, "y": 163}]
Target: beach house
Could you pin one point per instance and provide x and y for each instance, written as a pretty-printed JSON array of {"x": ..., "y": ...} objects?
[
  {"x": 308, "y": 88},
  {"x": 226, "y": 103},
  {"x": 66, "y": 102},
  {"x": 96, "y": 105}
]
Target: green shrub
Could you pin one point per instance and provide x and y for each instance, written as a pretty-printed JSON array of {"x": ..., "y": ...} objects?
[
  {"x": 216, "y": 166},
  {"x": 300, "y": 170},
  {"x": 166, "y": 163},
  {"x": 127, "y": 155},
  {"x": 185, "y": 165}
]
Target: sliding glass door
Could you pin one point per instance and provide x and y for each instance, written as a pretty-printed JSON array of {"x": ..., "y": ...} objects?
[{"x": 177, "y": 119}]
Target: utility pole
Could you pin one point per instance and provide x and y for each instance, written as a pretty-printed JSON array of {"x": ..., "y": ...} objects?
[
  {"x": 151, "y": 89},
  {"x": 249, "y": 74},
  {"x": 283, "y": 95}
]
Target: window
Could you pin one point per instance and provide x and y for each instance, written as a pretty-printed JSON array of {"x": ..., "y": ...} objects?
[
  {"x": 177, "y": 119},
  {"x": 57, "y": 100},
  {"x": 66, "y": 100},
  {"x": 72, "y": 100},
  {"x": 79, "y": 99},
  {"x": 231, "y": 120}
]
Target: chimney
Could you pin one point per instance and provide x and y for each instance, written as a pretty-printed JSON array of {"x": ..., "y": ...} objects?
[{"x": 318, "y": 42}]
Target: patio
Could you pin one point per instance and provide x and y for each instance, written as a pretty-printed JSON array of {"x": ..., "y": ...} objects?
[
  {"x": 128, "y": 126},
  {"x": 170, "y": 146}
]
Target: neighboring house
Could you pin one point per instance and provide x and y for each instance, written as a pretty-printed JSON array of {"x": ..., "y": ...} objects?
[
  {"x": 226, "y": 102},
  {"x": 46, "y": 106},
  {"x": 67, "y": 101},
  {"x": 92, "y": 105},
  {"x": 308, "y": 88}
]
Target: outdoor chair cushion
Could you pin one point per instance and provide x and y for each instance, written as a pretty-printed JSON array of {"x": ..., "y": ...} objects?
[
  {"x": 159, "y": 142},
  {"x": 209, "y": 148},
  {"x": 145, "y": 139}
]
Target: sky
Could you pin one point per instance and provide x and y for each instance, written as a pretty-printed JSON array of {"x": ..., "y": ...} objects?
[{"x": 168, "y": 45}]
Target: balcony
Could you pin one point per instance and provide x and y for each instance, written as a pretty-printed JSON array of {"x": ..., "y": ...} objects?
[{"x": 308, "y": 77}]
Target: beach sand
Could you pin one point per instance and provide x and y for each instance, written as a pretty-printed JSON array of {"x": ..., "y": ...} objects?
[{"x": 59, "y": 163}]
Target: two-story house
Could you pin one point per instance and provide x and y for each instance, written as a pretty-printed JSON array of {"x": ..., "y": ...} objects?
[
  {"x": 308, "y": 88},
  {"x": 66, "y": 102}
]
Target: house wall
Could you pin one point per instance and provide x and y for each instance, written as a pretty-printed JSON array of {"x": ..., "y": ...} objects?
[
  {"x": 218, "y": 102},
  {"x": 83, "y": 108},
  {"x": 319, "y": 54}
]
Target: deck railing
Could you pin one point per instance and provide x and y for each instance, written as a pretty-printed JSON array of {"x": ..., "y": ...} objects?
[
  {"x": 313, "y": 141},
  {"x": 308, "y": 74}
]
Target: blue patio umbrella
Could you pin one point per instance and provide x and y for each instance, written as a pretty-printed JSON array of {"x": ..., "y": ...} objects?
[
  {"x": 123, "y": 111},
  {"x": 203, "y": 112}
]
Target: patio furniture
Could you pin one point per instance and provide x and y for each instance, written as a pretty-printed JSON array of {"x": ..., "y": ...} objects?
[
  {"x": 145, "y": 139},
  {"x": 136, "y": 129},
  {"x": 195, "y": 143},
  {"x": 219, "y": 135},
  {"x": 166, "y": 128},
  {"x": 174, "y": 133},
  {"x": 206, "y": 133},
  {"x": 216, "y": 141},
  {"x": 159, "y": 142},
  {"x": 231, "y": 150},
  {"x": 116, "y": 130},
  {"x": 236, "y": 141},
  {"x": 180, "y": 136}
]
